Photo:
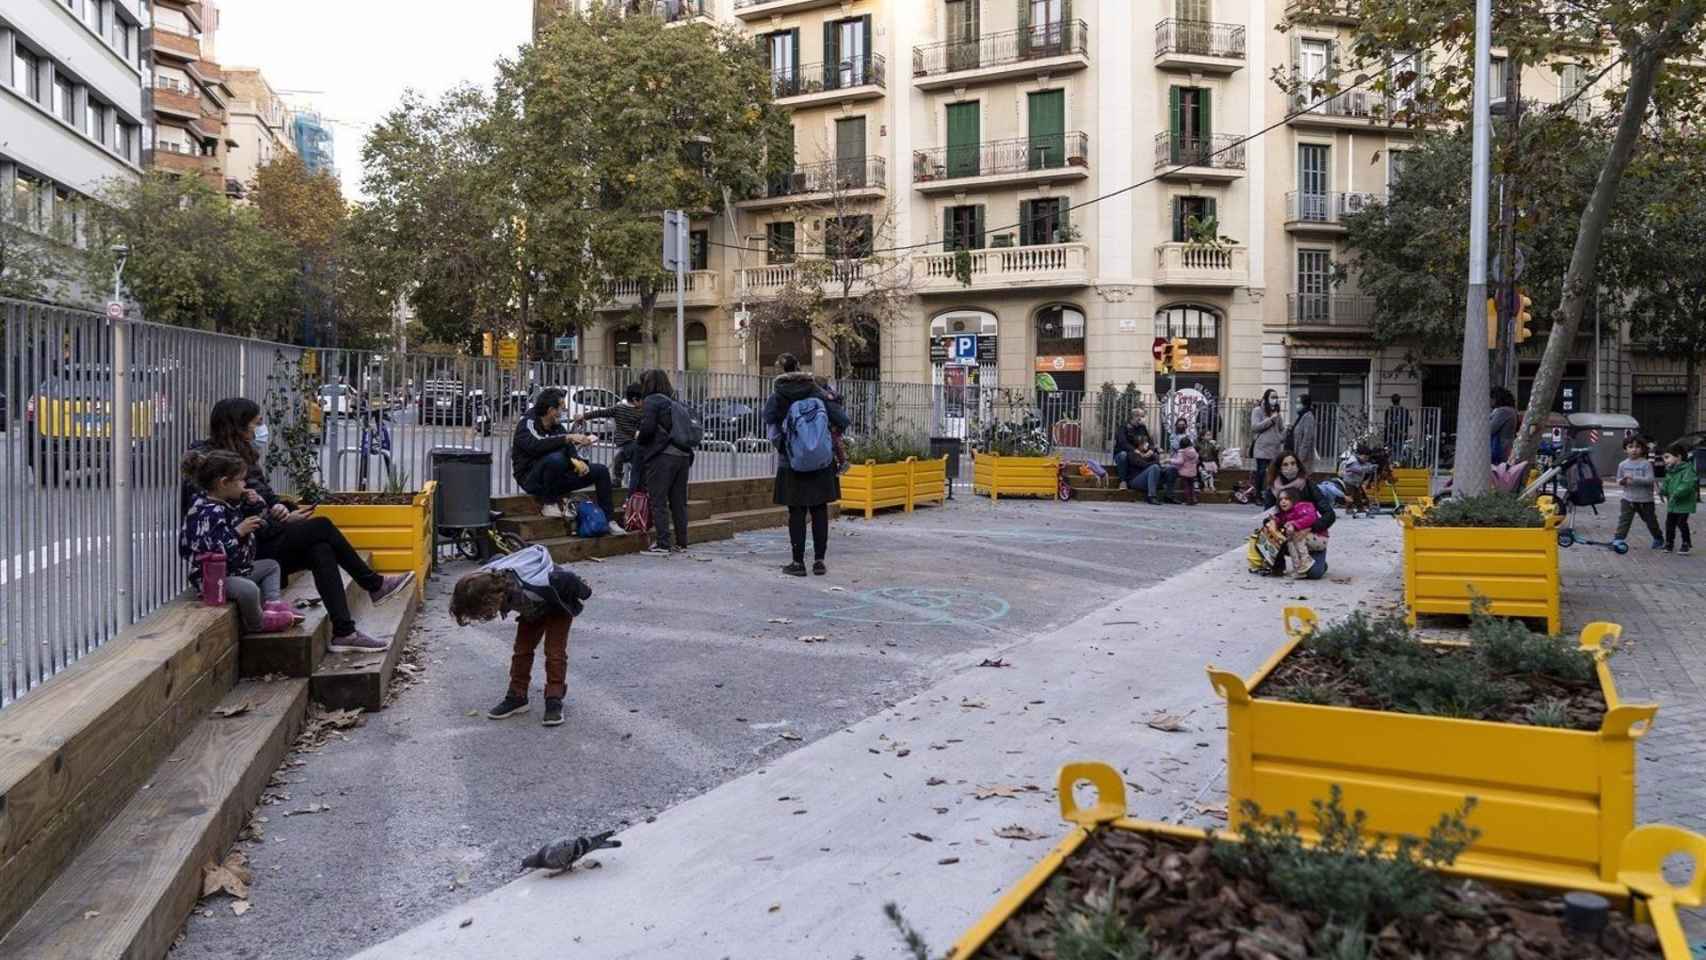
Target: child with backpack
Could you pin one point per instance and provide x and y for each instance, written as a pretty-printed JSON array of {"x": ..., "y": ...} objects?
[
  {"x": 222, "y": 522},
  {"x": 1185, "y": 464},
  {"x": 546, "y": 599},
  {"x": 800, "y": 420},
  {"x": 1681, "y": 491}
]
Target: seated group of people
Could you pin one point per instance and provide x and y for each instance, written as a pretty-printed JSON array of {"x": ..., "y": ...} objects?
[{"x": 1163, "y": 477}]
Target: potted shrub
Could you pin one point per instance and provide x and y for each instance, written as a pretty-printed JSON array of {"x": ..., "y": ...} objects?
[
  {"x": 1497, "y": 546},
  {"x": 1530, "y": 723},
  {"x": 395, "y": 525},
  {"x": 1012, "y": 458},
  {"x": 1132, "y": 890},
  {"x": 891, "y": 470}
]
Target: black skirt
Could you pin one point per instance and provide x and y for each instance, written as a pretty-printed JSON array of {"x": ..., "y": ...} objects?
[{"x": 815, "y": 488}]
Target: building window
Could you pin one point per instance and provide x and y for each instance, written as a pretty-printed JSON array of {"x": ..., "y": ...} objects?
[
  {"x": 1405, "y": 80},
  {"x": 1314, "y": 278},
  {"x": 847, "y": 238},
  {"x": 91, "y": 118},
  {"x": 1395, "y": 160},
  {"x": 1191, "y": 216},
  {"x": 782, "y": 51},
  {"x": 698, "y": 347},
  {"x": 124, "y": 40},
  {"x": 779, "y": 242},
  {"x": 92, "y": 14},
  {"x": 1043, "y": 221},
  {"x": 26, "y": 73},
  {"x": 29, "y": 200},
  {"x": 122, "y": 143},
  {"x": 962, "y": 227},
  {"x": 622, "y": 344},
  {"x": 97, "y": 122},
  {"x": 699, "y": 250},
  {"x": 64, "y": 103}
]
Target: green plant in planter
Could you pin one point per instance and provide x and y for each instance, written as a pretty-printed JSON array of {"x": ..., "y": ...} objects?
[
  {"x": 1508, "y": 646},
  {"x": 885, "y": 446},
  {"x": 295, "y": 445},
  {"x": 962, "y": 266},
  {"x": 1496, "y": 509}
]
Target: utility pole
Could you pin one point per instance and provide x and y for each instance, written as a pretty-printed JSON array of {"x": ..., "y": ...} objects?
[
  {"x": 1506, "y": 372},
  {"x": 1472, "y": 473}
]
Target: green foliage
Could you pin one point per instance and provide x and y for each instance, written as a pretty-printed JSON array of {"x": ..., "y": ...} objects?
[
  {"x": 1548, "y": 713},
  {"x": 1020, "y": 438},
  {"x": 400, "y": 481},
  {"x": 40, "y": 260},
  {"x": 962, "y": 266},
  {"x": 294, "y": 449},
  {"x": 1353, "y": 879},
  {"x": 1096, "y": 929},
  {"x": 886, "y": 446},
  {"x": 1495, "y": 509},
  {"x": 1508, "y": 646}
]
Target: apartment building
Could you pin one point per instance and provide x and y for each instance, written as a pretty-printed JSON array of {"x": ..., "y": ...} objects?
[
  {"x": 258, "y": 121},
  {"x": 311, "y": 138},
  {"x": 71, "y": 108},
  {"x": 187, "y": 94},
  {"x": 1088, "y": 155}
]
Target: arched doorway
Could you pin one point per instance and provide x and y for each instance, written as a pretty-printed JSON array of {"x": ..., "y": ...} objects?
[
  {"x": 1200, "y": 326},
  {"x": 698, "y": 347}
]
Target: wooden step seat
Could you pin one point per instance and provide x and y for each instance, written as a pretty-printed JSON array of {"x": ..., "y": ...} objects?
[
  {"x": 126, "y": 894},
  {"x": 344, "y": 679},
  {"x": 574, "y": 549}
]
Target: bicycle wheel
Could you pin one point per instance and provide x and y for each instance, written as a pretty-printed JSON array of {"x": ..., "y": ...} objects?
[{"x": 468, "y": 544}]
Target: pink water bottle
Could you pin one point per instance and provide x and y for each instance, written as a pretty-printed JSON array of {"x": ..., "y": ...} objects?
[{"x": 212, "y": 579}]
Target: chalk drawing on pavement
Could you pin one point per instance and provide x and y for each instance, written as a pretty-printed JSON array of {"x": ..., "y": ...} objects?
[{"x": 919, "y": 606}]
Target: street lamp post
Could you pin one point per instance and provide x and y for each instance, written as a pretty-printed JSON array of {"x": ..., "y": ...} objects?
[{"x": 1473, "y": 471}]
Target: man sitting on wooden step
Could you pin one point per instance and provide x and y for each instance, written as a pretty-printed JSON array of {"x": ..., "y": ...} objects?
[{"x": 547, "y": 464}]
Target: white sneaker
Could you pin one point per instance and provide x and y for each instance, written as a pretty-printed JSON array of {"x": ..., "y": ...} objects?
[
  {"x": 616, "y": 528},
  {"x": 552, "y": 511}
]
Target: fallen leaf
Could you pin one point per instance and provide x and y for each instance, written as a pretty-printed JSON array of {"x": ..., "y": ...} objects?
[
  {"x": 934, "y": 782},
  {"x": 891, "y": 643},
  {"x": 924, "y": 837},
  {"x": 311, "y": 808},
  {"x": 789, "y": 735},
  {"x": 946, "y": 861},
  {"x": 775, "y": 907},
  {"x": 235, "y": 710},
  {"x": 780, "y": 620},
  {"x": 997, "y": 662},
  {"x": 1017, "y": 832},
  {"x": 903, "y": 752},
  {"x": 91, "y": 914},
  {"x": 1000, "y": 790},
  {"x": 1218, "y": 812},
  {"x": 466, "y": 922},
  {"x": 239, "y": 907},
  {"x": 231, "y": 877},
  {"x": 473, "y": 713},
  {"x": 1166, "y": 722},
  {"x": 814, "y": 638},
  {"x": 969, "y": 704}
]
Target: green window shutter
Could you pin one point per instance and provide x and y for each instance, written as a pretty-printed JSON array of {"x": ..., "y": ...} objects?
[
  {"x": 1178, "y": 219},
  {"x": 866, "y": 67},
  {"x": 963, "y": 133},
  {"x": 1208, "y": 211},
  {"x": 1024, "y": 28},
  {"x": 1176, "y": 122},
  {"x": 1332, "y": 63},
  {"x": 1065, "y": 221},
  {"x": 977, "y": 227},
  {"x": 1301, "y": 97},
  {"x": 831, "y": 72},
  {"x": 794, "y": 48},
  {"x": 1047, "y": 109},
  {"x": 1027, "y": 210},
  {"x": 1205, "y": 126},
  {"x": 948, "y": 244}
]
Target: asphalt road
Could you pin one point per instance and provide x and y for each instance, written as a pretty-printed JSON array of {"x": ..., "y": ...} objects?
[{"x": 678, "y": 681}]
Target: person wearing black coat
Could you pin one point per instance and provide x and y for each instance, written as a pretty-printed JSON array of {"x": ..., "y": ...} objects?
[
  {"x": 664, "y": 463},
  {"x": 1323, "y": 506},
  {"x": 803, "y": 493},
  {"x": 1125, "y": 445}
]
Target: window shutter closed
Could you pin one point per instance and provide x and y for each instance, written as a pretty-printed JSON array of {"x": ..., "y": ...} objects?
[
  {"x": 1208, "y": 211},
  {"x": 1178, "y": 219},
  {"x": 977, "y": 227},
  {"x": 1205, "y": 125},
  {"x": 1175, "y": 122},
  {"x": 948, "y": 241},
  {"x": 1024, "y": 28},
  {"x": 831, "y": 53}
]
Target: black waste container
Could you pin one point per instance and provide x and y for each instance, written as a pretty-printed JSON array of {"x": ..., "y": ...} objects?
[
  {"x": 464, "y": 476},
  {"x": 949, "y": 447}
]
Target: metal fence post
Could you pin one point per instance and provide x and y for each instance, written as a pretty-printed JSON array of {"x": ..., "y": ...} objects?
[{"x": 121, "y": 414}]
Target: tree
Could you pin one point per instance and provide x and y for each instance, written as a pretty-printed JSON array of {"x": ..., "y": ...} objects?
[
  {"x": 307, "y": 211},
  {"x": 40, "y": 258},
  {"x": 851, "y": 286},
  {"x": 1623, "y": 48},
  {"x": 197, "y": 260},
  {"x": 615, "y": 119},
  {"x": 442, "y": 226}
]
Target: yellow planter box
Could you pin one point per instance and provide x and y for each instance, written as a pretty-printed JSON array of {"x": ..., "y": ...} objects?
[
  {"x": 996, "y": 476},
  {"x": 1412, "y": 483},
  {"x": 1553, "y": 805},
  {"x": 1641, "y": 888},
  {"x": 871, "y": 486},
  {"x": 400, "y": 537},
  {"x": 1515, "y": 568}
]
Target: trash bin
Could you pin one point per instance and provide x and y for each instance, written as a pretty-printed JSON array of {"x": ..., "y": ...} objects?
[
  {"x": 1612, "y": 427},
  {"x": 464, "y": 476},
  {"x": 949, "y": 447}
]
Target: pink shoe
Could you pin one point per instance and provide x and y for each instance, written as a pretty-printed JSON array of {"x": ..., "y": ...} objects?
[
  {"x": 284, "y": 607},
  {"x": 276, "y": 621}
]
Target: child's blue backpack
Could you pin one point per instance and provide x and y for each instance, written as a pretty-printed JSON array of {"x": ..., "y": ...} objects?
[
  {"x": 810, "y": 447},
  {"x": 590, "y": 521}
]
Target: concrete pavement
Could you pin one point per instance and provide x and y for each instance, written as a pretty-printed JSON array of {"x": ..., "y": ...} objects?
[{"x": 797, "y": 857}]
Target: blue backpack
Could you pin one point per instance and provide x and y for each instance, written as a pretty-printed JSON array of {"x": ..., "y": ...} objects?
[
  {"x": 810, "y": 447},
  {"x": 590, "y": 520}
]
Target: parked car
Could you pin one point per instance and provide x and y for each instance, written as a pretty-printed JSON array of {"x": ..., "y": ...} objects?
[
  {"x": 68, "y": 419},
  {"x": 732, "y": 419},
  {"x": 338, "y": 399},
  {"x": 578, "y": 401}
]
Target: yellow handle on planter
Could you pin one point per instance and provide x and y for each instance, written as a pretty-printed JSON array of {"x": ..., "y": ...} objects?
[
  {"x": 1628, "y": 720},
  {"x": 1300, "y": 622},
  {"x": 1229, "y": 685},
  {"x": 1595, "y": 634},
  {"x": 1110, "y": 794},
  {"x": 1645, "y": 850}
]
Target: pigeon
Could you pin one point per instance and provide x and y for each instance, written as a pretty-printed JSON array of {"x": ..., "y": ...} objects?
[{"x": 563, "y": 854}]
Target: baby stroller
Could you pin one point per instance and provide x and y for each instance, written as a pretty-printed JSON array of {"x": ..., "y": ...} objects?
[{"x": 1573, "y": 482}]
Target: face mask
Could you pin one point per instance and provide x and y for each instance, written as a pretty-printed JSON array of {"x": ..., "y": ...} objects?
[
  {"x": 262, "y": 435},
  {"x": 1288, "y": 472}
]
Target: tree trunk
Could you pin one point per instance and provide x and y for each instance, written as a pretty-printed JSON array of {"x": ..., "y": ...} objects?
[
  {"x": 1692, "y": 420},
  {"x": 1579, "y": 278},
  {"x": 648, "y": 328}
]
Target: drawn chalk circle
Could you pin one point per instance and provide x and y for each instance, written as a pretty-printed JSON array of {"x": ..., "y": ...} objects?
[{"x": 919, "y": 606}]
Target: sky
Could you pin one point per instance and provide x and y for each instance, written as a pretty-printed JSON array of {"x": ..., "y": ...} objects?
[{"x": 360, "y": 55}]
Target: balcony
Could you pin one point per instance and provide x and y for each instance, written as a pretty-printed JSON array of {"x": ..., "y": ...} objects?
[
  {"x": 1006, "y": 268},
  {"x": 772, "y": 279},
  {"x": 842, "y": 81},
  {"x": 1325, "y": 212},
  {"x": 703, "y": 290},
  {"x": 856, "y": 178},
  {"x": 1329, "y": 313},
  {"x": 1338, "y": 12},
  {"x": 1022, "y": 160},
  {"x": 1201, "y": 265},
  {"x": 765, "y": 9},
  {"x": 1353, "y": 109},
  {"x": 175, "y": 45},
  {"x": 686, "y": 11},
  {"x": 1198, "y": 46},
  {"x": 1048, "y": 48},
  {"x": 1218, "y": 158},
  {"x": 176, "y": 99}
]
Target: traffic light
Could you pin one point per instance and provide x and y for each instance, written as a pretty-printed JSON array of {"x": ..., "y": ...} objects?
[
  {"x": 1523, "y": 302},
  {"x": 486, "y": 340},
  {"x": 1181, "y": 353},
  {"x": 1164, "y": 359},
  {"x": 1492, "y": 323}
]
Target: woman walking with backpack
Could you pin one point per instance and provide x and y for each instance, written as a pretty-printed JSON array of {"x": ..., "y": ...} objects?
[
  {"x": 665, "y": 442},
  {"x": 800, "y": 419}
]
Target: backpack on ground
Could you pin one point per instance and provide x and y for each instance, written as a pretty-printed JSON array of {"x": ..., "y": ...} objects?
[
  {"x": 637, "y": 512},
  {"x": 810, "y": 447},
  {"x": 685, "y": 430},
  {"x": 590, "y": 520}
]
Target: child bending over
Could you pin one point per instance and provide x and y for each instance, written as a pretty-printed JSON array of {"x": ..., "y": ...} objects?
[{"x": 545, "y": 599}]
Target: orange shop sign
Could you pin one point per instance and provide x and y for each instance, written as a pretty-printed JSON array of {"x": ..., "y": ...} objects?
[{"x": 1064, "y": 363}]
